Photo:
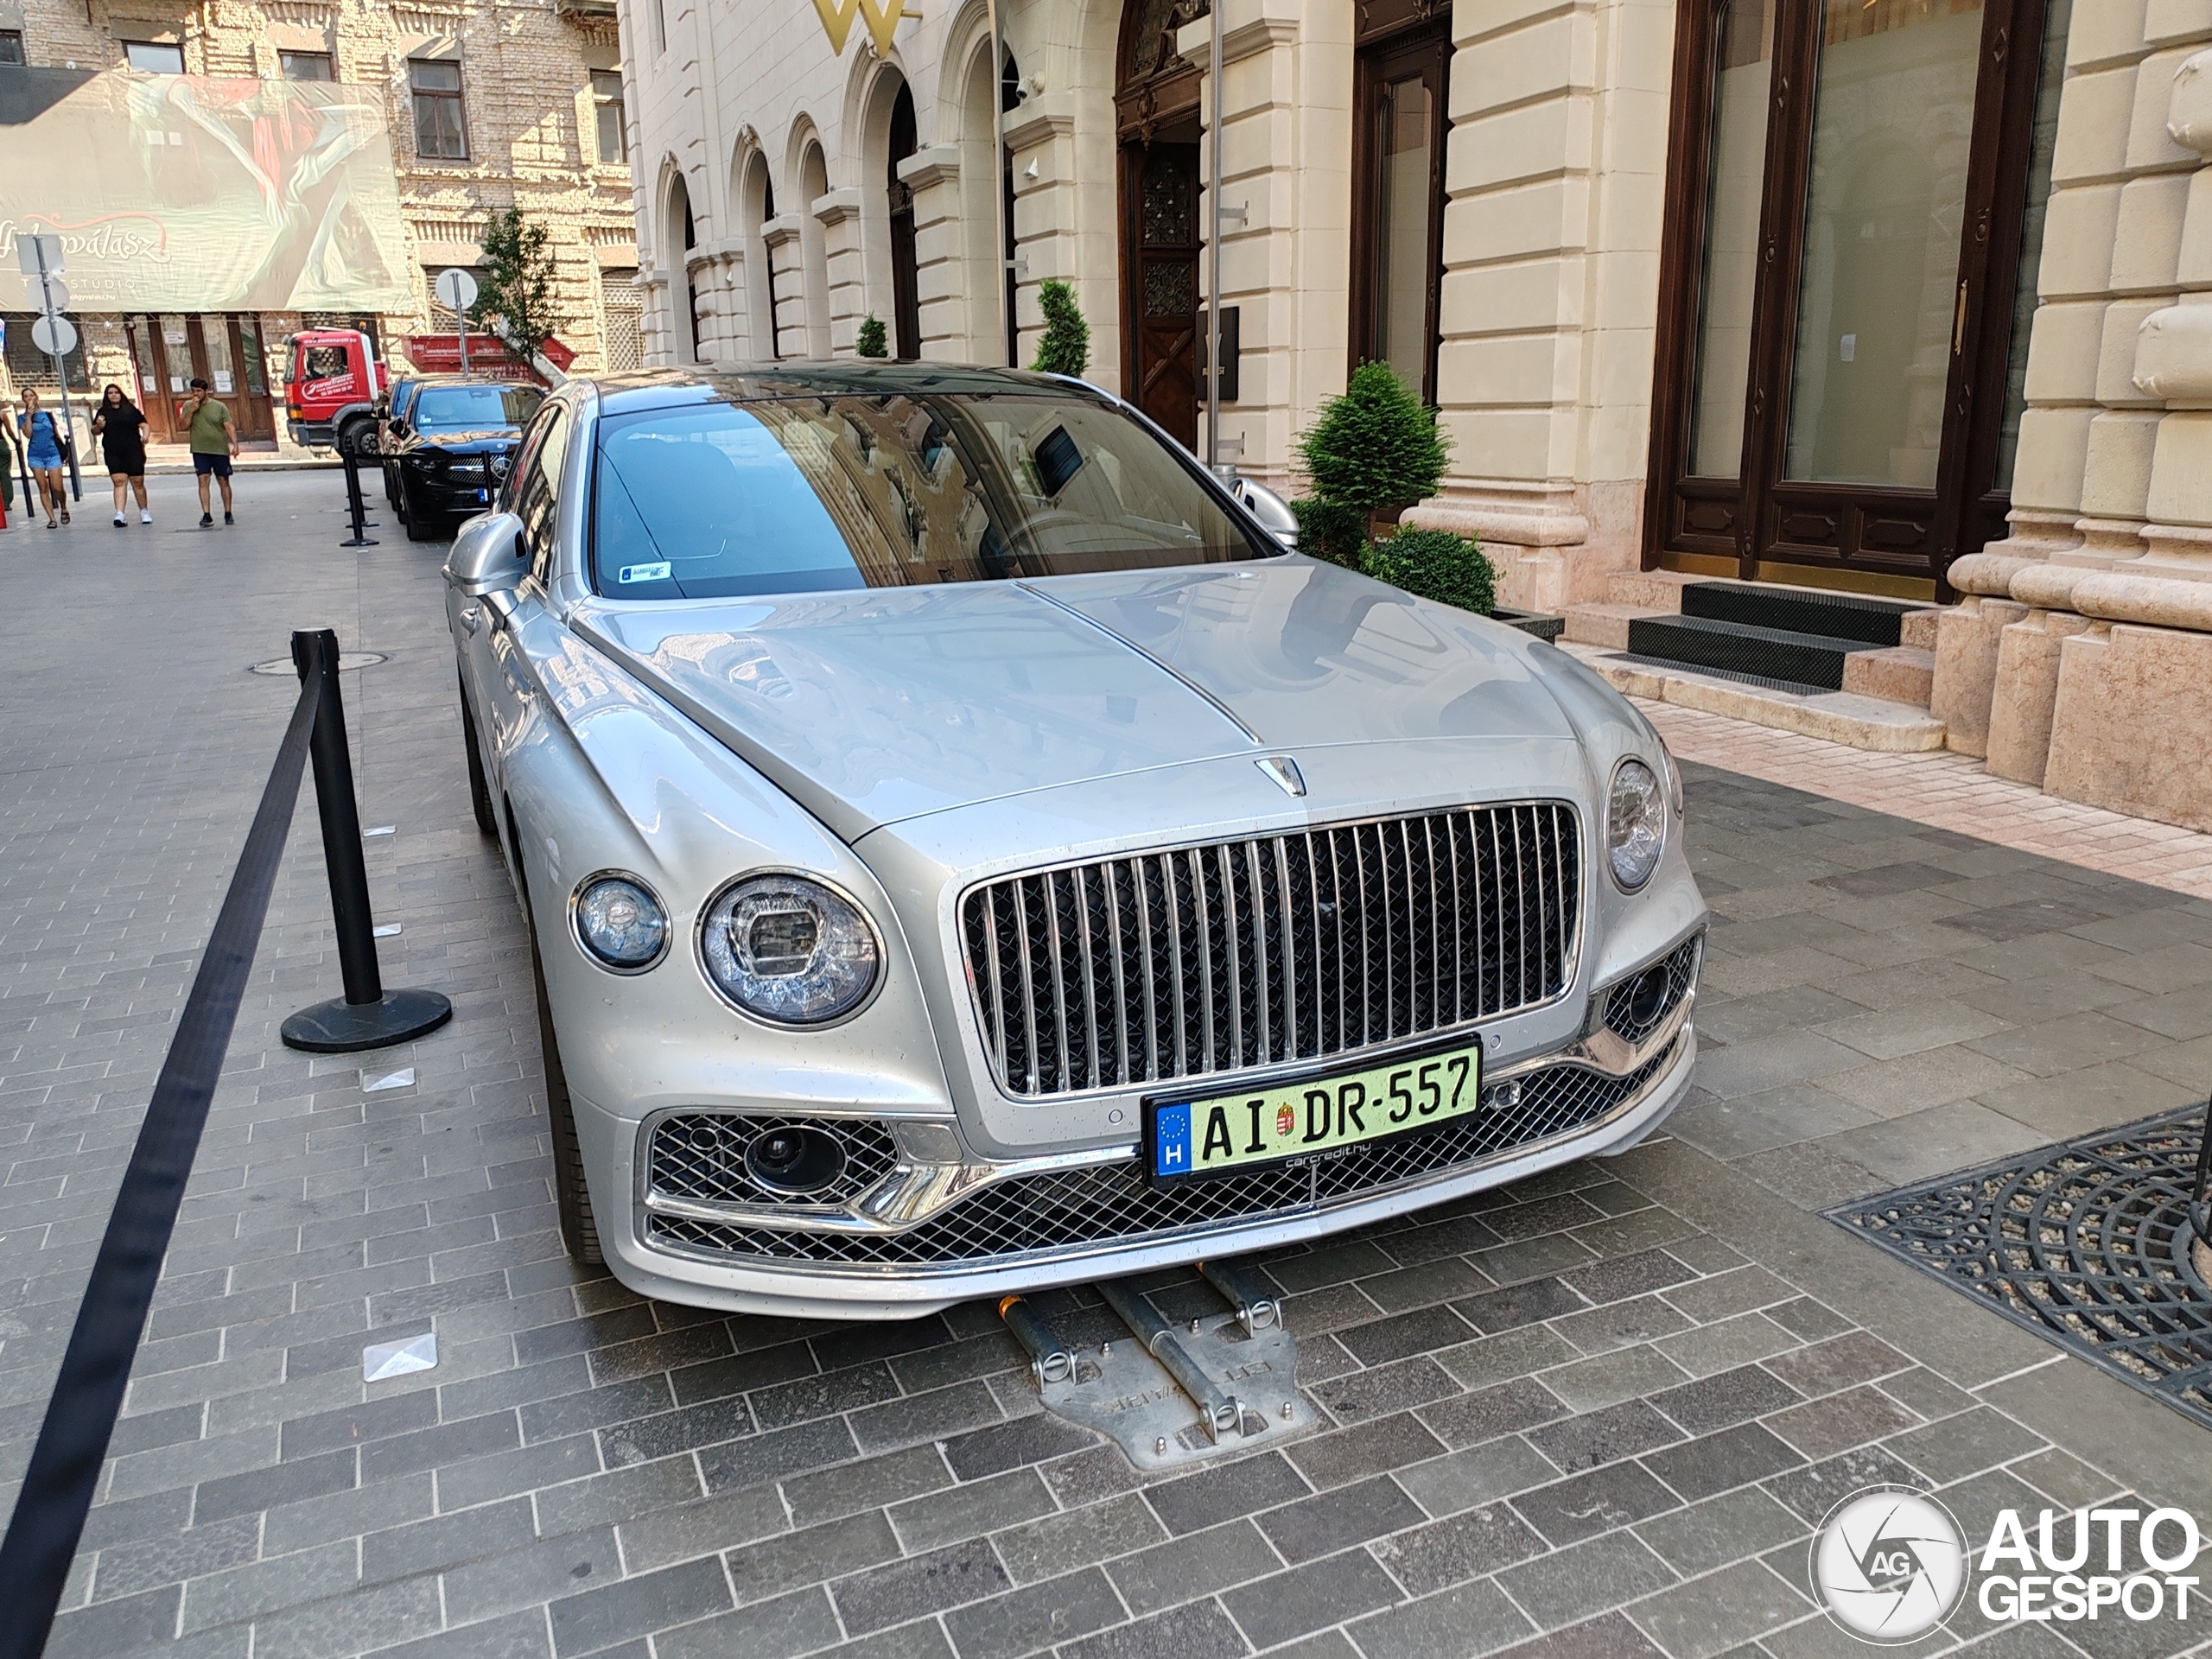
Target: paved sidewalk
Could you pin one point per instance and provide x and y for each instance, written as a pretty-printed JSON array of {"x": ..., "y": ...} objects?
[{"x": 1596, "y": 1414}]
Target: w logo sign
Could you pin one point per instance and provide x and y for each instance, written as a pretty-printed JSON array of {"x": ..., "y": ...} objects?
[{"x": 837, "y": 20}]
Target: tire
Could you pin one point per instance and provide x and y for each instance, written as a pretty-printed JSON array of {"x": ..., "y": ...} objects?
[
  {"x": 358, "y": 438},
  {"x": 571, "y": 1196},
  {"x": 480, "y": 787},
  {"x": 418, "y": 530}
]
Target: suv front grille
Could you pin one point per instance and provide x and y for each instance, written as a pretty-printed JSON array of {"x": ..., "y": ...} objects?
[
  {"x": 1113, "y": 1204},
  {"x": 1246, "y": 953}
]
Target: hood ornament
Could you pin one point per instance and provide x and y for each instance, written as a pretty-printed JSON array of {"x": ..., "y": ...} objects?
[{"x": 1283, "y": 773}]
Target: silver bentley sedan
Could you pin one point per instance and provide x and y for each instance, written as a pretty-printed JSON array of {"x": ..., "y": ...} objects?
[{"x": 967, "y": 848}]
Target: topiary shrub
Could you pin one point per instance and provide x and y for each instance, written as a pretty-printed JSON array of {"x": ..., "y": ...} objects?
[
  {"x": 1375, "y": 449},
  {"x": 1435, "y": 564},
  {"x": 1065, "y": 345},
  {"x": 1331, "y": 531},
  {"x": 872, "y": 342}
]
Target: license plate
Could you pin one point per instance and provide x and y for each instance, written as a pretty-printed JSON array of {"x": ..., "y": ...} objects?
[{"x": 1316, "y": 1116}]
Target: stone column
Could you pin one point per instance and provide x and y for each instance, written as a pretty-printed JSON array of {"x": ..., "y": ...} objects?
[
  {"x": 940, "y": 250},
  {"x": 839, "y": 215},
  {"x": 786, "y": 277},
  {"x": 1040, "y": 137}
]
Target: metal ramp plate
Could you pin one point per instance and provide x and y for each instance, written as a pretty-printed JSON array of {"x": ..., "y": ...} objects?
[{"x": 1126, "y": 1394}]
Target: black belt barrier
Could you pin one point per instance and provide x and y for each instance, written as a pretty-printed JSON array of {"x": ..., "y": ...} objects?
[{"x": 65, "y": 1466}]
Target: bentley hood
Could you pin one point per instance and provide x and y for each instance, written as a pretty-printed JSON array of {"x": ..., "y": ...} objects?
[{"x": 871, "y": 707}]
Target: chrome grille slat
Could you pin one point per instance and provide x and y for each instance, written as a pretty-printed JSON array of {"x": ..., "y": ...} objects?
[{"x": 1242, "y": 958}]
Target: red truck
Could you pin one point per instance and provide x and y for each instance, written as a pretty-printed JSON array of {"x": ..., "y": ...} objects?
[{"x": 331, "y": 390}]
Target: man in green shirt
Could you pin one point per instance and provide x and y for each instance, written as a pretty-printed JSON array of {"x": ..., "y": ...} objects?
[{"x": 214, "y": 441}]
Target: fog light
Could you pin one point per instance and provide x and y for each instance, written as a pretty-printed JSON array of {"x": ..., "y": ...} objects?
[
  {"x": 1502, "y": 1097},
  {"x": 619, "y": 923},
  {"x": 792, "y": 1161},
  {"x": 1647, "y": 994}
]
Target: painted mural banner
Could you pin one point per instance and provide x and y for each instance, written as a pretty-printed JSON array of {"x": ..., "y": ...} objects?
[{"x": 187, "y": 192}]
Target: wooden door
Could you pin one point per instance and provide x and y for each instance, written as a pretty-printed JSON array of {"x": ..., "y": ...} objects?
[
  {"x": 1400, "y": 84},
  {"x": 1848, "y": 189},
  {"x": 250, "y": 409},
  {"x": 1160, "y": 249},
  {"x": 148, "y": 368}
]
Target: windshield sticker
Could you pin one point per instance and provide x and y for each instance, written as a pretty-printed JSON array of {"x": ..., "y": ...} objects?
[{"x": 660, "y": 572}]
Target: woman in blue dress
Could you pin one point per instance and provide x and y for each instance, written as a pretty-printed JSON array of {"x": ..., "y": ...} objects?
[{"x": 42, "y": 449}]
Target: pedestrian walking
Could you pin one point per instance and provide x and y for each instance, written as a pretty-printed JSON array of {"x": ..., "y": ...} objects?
[
  {"x": 214, "y": 445},
  {"x": 43, "y": 445},
  {"x": 121, "y": 427}
]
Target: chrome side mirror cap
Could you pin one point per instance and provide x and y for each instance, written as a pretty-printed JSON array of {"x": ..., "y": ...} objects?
[
  {"x": 1271, "y": 510},
  {"x": 487, "y": 555}
]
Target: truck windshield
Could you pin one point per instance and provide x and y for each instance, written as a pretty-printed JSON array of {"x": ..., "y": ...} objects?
[
  {"x": 473, "y": 409},
  {"x": 804, "y": 495}
]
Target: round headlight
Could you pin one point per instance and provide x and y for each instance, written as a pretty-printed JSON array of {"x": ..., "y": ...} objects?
[
  {"x": 789, "y": 950},
  {"x": 1636, "y": 824},
  {"x": 619, "y": 924}
]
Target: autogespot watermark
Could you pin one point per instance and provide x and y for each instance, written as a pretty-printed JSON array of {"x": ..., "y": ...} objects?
[{"x": 1889, "y": 1564}]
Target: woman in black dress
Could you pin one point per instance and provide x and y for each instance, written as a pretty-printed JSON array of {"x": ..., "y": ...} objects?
[{"x": 121, "y": 429}]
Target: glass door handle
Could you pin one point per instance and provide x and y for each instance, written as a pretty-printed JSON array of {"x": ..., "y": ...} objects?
[{"x": 1958, "y": 321}]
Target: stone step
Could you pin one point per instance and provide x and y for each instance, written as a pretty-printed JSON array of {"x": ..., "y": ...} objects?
[
  {"x": 1605, "y": 625},
  {"x": 1845, "y": 717},
  {"x": 1897, "y": 674},
  {"x": 1656, "y": 590},
  {"x": 1918, "y": 628}
]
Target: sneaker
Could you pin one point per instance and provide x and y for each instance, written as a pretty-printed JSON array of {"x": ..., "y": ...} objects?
[
  {"x": 206, "y": 519},
  {"x": 144, "y": 516},
  {"x": 228, "y": 519},
  {"x": 118, "y": 521}
]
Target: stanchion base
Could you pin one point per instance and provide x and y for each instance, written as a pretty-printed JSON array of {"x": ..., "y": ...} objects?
[
  {"x": 360, "y": 541},
  {"x": 339, "y": 1028}
]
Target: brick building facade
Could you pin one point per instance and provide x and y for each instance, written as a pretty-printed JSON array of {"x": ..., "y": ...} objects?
[{"x": 516, "y": 103}]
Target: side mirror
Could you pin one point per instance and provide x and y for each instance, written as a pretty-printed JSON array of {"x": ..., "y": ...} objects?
[
  {"x": 1271, "y": 510},
  {"x": 487, "y": 555}
]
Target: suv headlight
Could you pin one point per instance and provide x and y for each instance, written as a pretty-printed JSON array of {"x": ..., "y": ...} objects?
[
  {"x": 619, "y": 922},
  {"x": 1636, "y": 825},
  {"x": 788, "y": 949}
]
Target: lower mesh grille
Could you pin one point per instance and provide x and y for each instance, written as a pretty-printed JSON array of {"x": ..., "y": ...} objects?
[
  {"x": 1111, "y": 1203},
  {"x": 701, "y": 1156},
  {"x": 1682, "y": 973}
]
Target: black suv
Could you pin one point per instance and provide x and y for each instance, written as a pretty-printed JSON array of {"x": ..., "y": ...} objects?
[{"x": 450, "y": 452}]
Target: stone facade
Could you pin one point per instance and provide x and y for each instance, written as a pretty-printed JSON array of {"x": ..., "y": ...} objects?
[
  {"x": 528, "y": 114},
  {"x": 2081, "y": 657}
]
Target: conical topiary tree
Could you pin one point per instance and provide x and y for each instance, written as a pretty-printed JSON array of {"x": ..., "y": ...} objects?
[
  {"x": 1375, "y": 449},
  {"x": 872, "y": 342},
  {"x": 1065, "y": 347}
]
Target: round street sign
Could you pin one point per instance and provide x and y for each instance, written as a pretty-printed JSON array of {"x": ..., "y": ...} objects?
[
  {"x": 455, "y": 288},
  {"x": 54, "y": 289},
  {"x": 56, "y": 336}
]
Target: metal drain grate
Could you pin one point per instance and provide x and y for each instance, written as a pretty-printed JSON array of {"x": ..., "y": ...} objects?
[{"x": 2087, "y": 1242}]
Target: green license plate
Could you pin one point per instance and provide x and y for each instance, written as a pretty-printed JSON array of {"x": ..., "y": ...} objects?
[{"x": 1309, "y": 1117}]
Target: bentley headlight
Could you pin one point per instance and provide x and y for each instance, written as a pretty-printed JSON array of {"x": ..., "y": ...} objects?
[
  {"x": 789, "y": 950},
  {"x": 619, "y": 922},
  {"x": 1636, "y": 824}
]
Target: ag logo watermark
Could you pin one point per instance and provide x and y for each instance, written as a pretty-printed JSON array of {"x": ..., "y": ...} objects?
[{"x": 1889, "y": 1564}]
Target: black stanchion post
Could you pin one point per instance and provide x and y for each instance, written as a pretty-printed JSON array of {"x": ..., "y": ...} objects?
[
  {"x": 368, "y": 1016},
  {"x": 354, "y": 507}
]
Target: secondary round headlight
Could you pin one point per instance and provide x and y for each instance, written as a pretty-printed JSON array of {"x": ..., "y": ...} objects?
[
  {"x": 619, "y": 923},
  {"x": 1636, "y": 824},
  {"x": 789, "y": 950}
]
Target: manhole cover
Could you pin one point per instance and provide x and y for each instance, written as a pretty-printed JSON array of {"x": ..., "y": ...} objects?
[
  {"x": 283, "y": 669},
  {"x": 2087, "y": 1242}
]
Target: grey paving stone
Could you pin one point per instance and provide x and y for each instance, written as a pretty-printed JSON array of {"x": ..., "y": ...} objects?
[
  {"x": 447, "y": 1541},
  {"x": 127, "y": 1624},
  {"x": 1812, "y": 1491},
  {"x": 131, "y": 1569},
  {"x": 968, "y": 1510},
  {"x": 773, "y": 1457},
  {"x": 1507, "y": 1355},
  {"x": 1734, "y": 1527},
  {"x": 938, "y": 1415},
  {"x": 641, "y": 1440},
  {"x": 1043, "y": 1615},
  {"x": 1609, "y": 1636},
  {"x": 502, "y": 1474},
  {"x": 1336, "y": 1520},
  {"x": 600, "y": 1617},
  {"x": 1607, "y": 1379},
  {"x": 1824, "y": 1428},
  {"x": 1360, "y": 1396},
  {"x": 1417, "y": 1332},
  {"x": 762, "y": 1571},
  {"x": 1310, "y": 1598},
  {"x": 951, "y": 1577},
  {"x": 1522, "y": 1304},
  {"x": 869, "y": 1483},
  {"x": 1707, "y": 1619},
  {"x": 602, "y": 1500},
  {"x": 1725, "y": 1398},
  {"x": 796, "y": 1624},
  {"x": 1470, "y": 1618},
  {"x": 1824, "y": 1368},
  {"x": 1568, "y": 1511},
  {"x": 1203, "y": 1631},
  {"x": 265, "y": 1489},
  {"x": 1059, "y": 1543},
  {"x": 515, "y": 1636},
  {"x": 1196, "y": 1501},
  {"x": 1197, "y": 1564},
  {"x": 1603, "y": 1436},
  {"x": 1507, "y": 1408},
  {"x": 1714, "y": 1463},
  {"x": 532, "y": 1576},
  {"x": 1008, "y": 1446},
  {"x": 1964, "y": 1444},
  {"x": 1461, "y": 1547},
  {"x": 1571, "y": 1585},
  {"x": 1446, "y": 1485}
]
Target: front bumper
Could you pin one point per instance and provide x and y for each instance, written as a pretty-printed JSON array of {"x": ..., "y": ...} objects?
[
  {"x": 931, "y": 1233},
  {"x": 448, "y": 494}
]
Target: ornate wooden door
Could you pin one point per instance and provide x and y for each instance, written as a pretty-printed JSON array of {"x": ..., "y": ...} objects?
[{"x": 1162, "y": 276}]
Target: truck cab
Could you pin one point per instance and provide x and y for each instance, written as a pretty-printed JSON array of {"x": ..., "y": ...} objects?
[{"x": 332, "y": 385}]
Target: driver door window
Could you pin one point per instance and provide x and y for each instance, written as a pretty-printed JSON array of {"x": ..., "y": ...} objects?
[{"x": 538, "y": 497}]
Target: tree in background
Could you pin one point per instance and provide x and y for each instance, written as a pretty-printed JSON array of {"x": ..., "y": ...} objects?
[
  {"x": 516, "y": 298},
  {"x": 872, "y": 342},
  {"x": 1065, "y": 347},
  {"x": 1375, "y": 449}
]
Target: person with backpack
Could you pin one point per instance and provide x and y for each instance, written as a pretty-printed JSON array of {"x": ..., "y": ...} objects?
[
  {"x": 43, "y": 442},
  {"x": 121, "y": 429}
]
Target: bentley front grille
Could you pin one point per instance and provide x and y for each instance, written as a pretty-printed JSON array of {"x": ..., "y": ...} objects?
[
  {"x": 1244, "y": 953},
  {"x": 1113, "y": 1204}
]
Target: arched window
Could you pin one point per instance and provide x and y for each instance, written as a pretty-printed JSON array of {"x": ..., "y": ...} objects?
[
  {"x": 682, "y": 232},
  {"x": 814, "y": 184},
  {"x": 905, "y": 277}
]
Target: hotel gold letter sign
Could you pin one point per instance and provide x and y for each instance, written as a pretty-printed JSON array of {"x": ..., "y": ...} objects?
[{"x": 882, "y": 18}]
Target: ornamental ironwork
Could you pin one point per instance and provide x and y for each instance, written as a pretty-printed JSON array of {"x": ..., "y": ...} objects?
[{"x": 2087, "y": 1242}]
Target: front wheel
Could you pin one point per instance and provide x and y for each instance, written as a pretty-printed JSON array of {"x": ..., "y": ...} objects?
[
  {"x": 358, "y": 439},
  {"x": 571, "y": 1197}
]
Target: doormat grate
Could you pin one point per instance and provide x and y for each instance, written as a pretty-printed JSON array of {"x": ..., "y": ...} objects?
[{"x": 2087, "y": 1242}]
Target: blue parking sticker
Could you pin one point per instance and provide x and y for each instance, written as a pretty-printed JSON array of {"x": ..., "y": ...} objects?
[
  {"x": 658, "y": 572},
  {"x": 1171, "y": 1140}
]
